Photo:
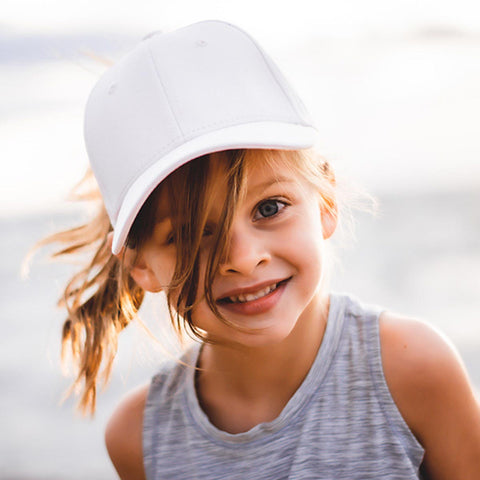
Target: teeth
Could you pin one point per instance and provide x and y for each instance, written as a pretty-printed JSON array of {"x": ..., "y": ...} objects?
[{"x": 253, "y": 296}]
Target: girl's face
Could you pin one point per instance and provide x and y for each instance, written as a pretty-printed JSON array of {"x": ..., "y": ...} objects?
[{"x": 270, "y": 278}]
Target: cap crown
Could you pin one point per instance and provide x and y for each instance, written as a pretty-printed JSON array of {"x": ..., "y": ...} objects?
[{"x": 174, "y": 88}]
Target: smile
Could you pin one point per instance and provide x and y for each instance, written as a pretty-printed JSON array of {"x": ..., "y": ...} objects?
[{"x": 251, "y": 296}]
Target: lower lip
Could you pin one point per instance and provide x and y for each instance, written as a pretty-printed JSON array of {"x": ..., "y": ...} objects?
[{"x": 258, "y": 306}]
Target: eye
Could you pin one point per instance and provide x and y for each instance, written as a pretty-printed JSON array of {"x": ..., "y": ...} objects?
[
  {"x": 269, "y": 208},
  {"x": 207, "y": 231},
  {"x": 170, "y": 239}
]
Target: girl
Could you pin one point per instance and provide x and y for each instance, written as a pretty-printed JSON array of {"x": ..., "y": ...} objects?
[{"x": 202, "y": 153}]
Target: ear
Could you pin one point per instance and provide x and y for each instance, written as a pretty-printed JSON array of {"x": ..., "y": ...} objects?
[
  {"x": 139, "y": 270},
  {"x": 329, "y": 212},
  {"x": 137, "y": 267}
]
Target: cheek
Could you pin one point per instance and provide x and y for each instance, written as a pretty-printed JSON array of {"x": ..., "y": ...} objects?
[
  {"x": 307, "y": 233},
  {"x": 162, "y": 265},
  {"x": 306, "y": 246}
]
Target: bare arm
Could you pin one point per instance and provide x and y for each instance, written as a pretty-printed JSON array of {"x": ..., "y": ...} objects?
[
  {"x": 123, "y": 436},
  {"x": 431, "y": 388}
]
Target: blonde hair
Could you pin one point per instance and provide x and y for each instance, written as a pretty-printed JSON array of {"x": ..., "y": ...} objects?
[{"x": 102, "y": 298}]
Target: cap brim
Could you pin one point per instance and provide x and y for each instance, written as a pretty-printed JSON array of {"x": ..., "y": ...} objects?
[{"x": 268, "y": 135}]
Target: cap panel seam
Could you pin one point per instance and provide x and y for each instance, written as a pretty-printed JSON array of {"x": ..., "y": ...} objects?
[
  {"x": 287, "y": 94},
  {"x": 164, "y": 91},
  {"x": 267, "y": 63}
]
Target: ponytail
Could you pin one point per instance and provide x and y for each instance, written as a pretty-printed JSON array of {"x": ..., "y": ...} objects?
[{"x": 101, "y": 300}]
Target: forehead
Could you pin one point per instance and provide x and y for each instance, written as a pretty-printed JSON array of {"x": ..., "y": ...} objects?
[{"x": 261, "y": 169}]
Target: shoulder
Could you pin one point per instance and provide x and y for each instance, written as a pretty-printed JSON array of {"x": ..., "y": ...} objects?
[
  {"x": 123, "y": 435},
  {"x": 416, "y": 353},
  {"x": 432, "y": 390}
]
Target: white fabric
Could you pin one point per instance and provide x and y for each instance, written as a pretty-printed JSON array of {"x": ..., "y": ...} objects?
[
  {"x": 179, "y": 95},
  {"x": 253, "y": 135}
]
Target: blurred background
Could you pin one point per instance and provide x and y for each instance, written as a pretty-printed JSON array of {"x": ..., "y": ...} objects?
[{"x": 395, "y": 91}]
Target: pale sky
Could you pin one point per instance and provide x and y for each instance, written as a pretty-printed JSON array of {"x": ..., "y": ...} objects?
[
  {"x": 379, "y": 90},
  {"x": 302, "y": 17}
]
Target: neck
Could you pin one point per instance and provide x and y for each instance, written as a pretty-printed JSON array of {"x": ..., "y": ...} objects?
[{"x": 265, "y": 376}]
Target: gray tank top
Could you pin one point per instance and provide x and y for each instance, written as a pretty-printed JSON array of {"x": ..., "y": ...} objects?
[{"x": 341, "y": 423}]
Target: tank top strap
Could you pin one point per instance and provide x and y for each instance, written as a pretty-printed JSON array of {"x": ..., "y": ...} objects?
[{"x": 397, "y": 423}]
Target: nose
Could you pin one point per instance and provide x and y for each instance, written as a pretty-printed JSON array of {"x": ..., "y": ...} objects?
[{"x": 246, "y": 251}]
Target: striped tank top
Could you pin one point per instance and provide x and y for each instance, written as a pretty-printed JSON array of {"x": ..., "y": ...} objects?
[{"x": 341, "y": 423}]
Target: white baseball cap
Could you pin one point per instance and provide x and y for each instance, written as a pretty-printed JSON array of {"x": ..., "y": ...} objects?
[{"x": 203, "y": 88}]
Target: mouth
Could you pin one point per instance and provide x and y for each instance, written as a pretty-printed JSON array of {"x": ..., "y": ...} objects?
[{"x": 252, "y": 295}]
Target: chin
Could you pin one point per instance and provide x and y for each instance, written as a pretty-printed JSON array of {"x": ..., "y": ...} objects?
[{"x": 266, "y": 336}]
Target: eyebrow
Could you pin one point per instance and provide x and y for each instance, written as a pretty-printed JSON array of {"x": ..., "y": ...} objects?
[
  {"x": 162, "y": 215},
  {"x": 271, "y": 181}
]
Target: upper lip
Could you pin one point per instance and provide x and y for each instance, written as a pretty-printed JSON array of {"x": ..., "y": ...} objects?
[{"x": 251, "y": 288}]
